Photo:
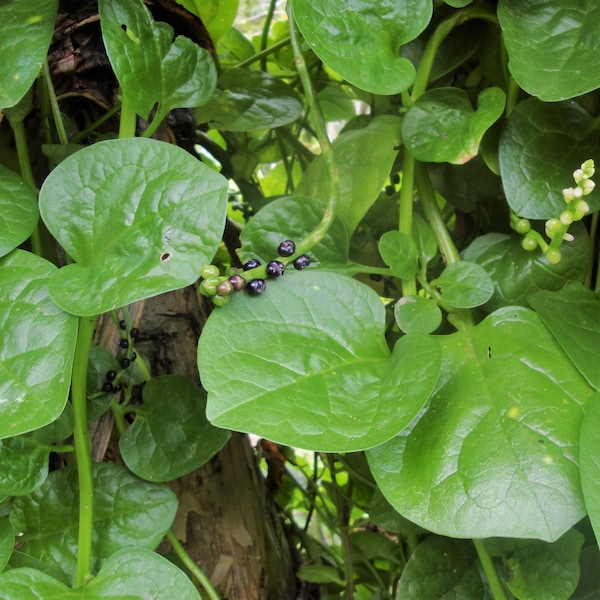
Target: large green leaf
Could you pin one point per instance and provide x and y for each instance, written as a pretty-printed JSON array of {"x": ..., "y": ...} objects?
[
  {"x": 573, "y": 317},
  {"x": 589, "y": 460},
  {"x": 128, "y": 512},
  {"x": 495, "y": 451},
  {"x": 362, "y": 173},
  {"x": 138, "y": 216},
  {"x": 553, "y": 47},
  {"x": 36, "y": 346},
  {"x": 441, "y": 126},
  {"x": 170, "y": 436},
  {"x": 540, "y": 147},
  {"x": 18, "y": 210},
  {"x": 361, "y": 39},
  {"x": 151, "y": 65},
  {"x": 27, "y": 27},
  {"x": 7, "y": 541},
  {"x": 306, "y": 364}
]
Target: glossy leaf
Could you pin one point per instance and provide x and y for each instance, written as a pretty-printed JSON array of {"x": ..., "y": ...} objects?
[
  {"x": 424, "y": 239},
  {"x": 170, "y": 436},
  {"x": 27, "y": 27},
  {"x": 415, "y": 314},
  {"x": 573, "y": 317},
  {"x": 367, "y": 39},
  {"x": 217, "y": 15},
  {"x": 138, "y": 216},
  {"x": 293, "y": 217},
  {"x": 320, "y": 574},
  {"x": 589, "y": 460},
  {"x": 464, "y": 284},
  {"x": 443, "y": 569},
  {"x": 250, "y": 100},
  {"x": 540, "y": 147},
  {"x": 494, "y": 453},
  {"x": 151, "y": 65},
  {"x": 128, "y": 512},
  {"x": 517, "y": 273},
  {"x": 36, "y": 346},
  {"x": 18, "y": 210},
  {"x": 399, "y": 252},
  {"x": 7, "y": 541},
  {"x": 23, "y": 464},
  {"x": 552, "y": 46},
  {"x": 441, "y": 126},
  {"x": 362, "y": 174},
  {"x": 345, "y": 393}
]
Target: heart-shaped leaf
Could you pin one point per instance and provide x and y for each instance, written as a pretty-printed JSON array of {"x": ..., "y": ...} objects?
[
  {"x": 367, "y": 39},
  {"x": 441, "y": 126},
  {"x": 399, "y": 252},
  {"x": 540, "y": 147},
  {"x": 464, "y": 284},
  {"x": 18, "y": 210},
  {"x": 311, "y": 365},
  {"x": 362, "y": 174},
  {"x": 36, "y": 346},
  {"x": 170, "y": 436},
  {"x": 553, "y": 47},
  {"x": 139, "y": 217},
  {"x": 495, "y": 451},
  {"x": 127, "y": 512},
  {"x": 415, "y": 314},
  {"x": 27, "y": 28},
  {"x": 150, "y": 65}
]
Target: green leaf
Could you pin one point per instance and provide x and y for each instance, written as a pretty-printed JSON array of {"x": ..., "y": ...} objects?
[
  {"x": 517, "y": 273},
  {"x": 552, "y": 46},
  {"x": 31, "y": 584},
  {"x": 464, "y": 284},
  {"x": 18, "y": 210},
  {"x": 151, "y": 65},
  {"x": 589, "y": 461},
  {"x": 424, "y": 239},
  {"x": 399, "y": 252},
  {"x": 320, "y": 574},
  {"x": 494, "y": 453},
  {"x": 362, "y": 173},
  {"x": 170, "y": 436},
  {"x": 441, "y": 126},
  {"x": 312, "y": 366},
  {"x": 249, "y": 101},
  {"x": 36, "y": 346},
  {"x": 443, "y": 569},
  {"x": 540, "y": 147},
  {"x": 367, "y": 38},
  {"x": 27, "y": 27},
  {"x": 233, "y": 48},
  {"x": 23, "y": 464},
  {"x": 293, "y": 218},
  {"x": 128, "y": 512},
  {"x": 415, "y": 314},
  {"x": 217, "y": 15},
  {"x": 139, "y": 217},
  {"x": 573, "y": 317},
  {"x": 101, "y": 361},
  {"x": 7, "y": 541}
]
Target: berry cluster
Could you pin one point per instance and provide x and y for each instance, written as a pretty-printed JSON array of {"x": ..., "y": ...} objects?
[
  {"x": 112, "y": 384},
  {"x": 220, "y": 288}
]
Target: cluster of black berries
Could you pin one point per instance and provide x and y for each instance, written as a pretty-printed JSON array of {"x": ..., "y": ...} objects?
[
  {"x": 390, "y": 190},
  {"x": 111, "y": 383}
]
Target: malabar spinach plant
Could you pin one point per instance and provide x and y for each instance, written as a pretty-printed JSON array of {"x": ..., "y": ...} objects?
[{"x": 412, "y": 296}]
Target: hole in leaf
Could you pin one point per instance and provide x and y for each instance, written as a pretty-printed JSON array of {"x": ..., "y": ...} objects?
[{"x": 165, "y": 256}]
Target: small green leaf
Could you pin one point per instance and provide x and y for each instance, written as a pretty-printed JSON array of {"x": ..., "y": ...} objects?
[
  {"x": 367, "y": 39},
  {"x": 552, "y": 46},
  {"x": 573, "y": 317},
  {"x": 170, "y": 436},
  {"x": 36, "y": 346},
  {"x": 362, "y": 173},
  {"x": 139, "y": 217},
  {"x": 589, "y": 461},
  {"x": 27, "y": 27},
  {"x": 7, "y": 541},
  {"x": 464, "y": 284},
  {"x": 441, "y": 126},
  {"x": 151, "y": 65},
  {"x": 415, "y": 314},
  {"x": 18, "y": 210},
  {"x": 250, "y": 100},
  {"x": 320, "y": 574},
  {"x": 494, "y": 452},
  {"x": 540, "y": 147},
  {"x": 399, "y": 252},
  {"x": 23, "y": 464},
  {"x": 217, "y": 15},
  {"x": 424, "y": 239},
  {"x": 335, "y": 386}
]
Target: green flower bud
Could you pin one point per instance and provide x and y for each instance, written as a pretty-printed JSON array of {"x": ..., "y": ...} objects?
[
  {"x": 566, "y": 218},
  {"x": 568, "y": 194},
  {"x": 553, "y": 226},
  {"x": 588, "y": 168},
  {"x": 588, "y": 186},
  {"x": 578, "y": 175},
  {"x": 553, "y": 255},
  {"x": 582, "y": 206}
]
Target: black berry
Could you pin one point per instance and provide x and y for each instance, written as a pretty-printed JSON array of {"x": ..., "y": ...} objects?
[
  {"x": 301, "y": 262},
  {"x": 396, "y": 178},
  {"x": 118, "y": 387},
  {"x": 275, "y": 268},
  {"x": 390, "y": 190},
  {"x": 251, "y": 264},
  {"x": 286, "y": 248},
  {"x": 134, "y": 332},
  {"x": 122, "y": 324},
  {"x": 133, "y": 356},
  {"x": 238, "y": 282},
  {"x": 110, "y": 375},
  {"x": 124, "y": 343},
  {"x": 125, "y": 362},
  {"x": 256, "y": 287},
  {"x": 107, "y": 387}
]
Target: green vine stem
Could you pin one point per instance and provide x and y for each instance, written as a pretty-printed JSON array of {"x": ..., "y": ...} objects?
[
  {"x": 409, "y": 286},
  {"x": 282, "y": 43},
  {"x": 56, "y": 115},
  {"x": 196, "y": 571},
  {"x": 490, "y": 571},
  {"x": 264, "y": 36},
  {"x": 83, "y": 448},
  {"x": 127, "y": 123}
]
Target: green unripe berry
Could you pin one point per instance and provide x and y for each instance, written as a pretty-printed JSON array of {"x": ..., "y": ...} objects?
[
  {"x": 220, "y": 300},
  {"x": 208, "y": 287},
  {"x": 528, "y": 243},
  {"x": 522, "y": 226},
  {"x": 554, "y": 225},
  {"x": 209, "y": 271},
  {"x": 553, "y": 255}
]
